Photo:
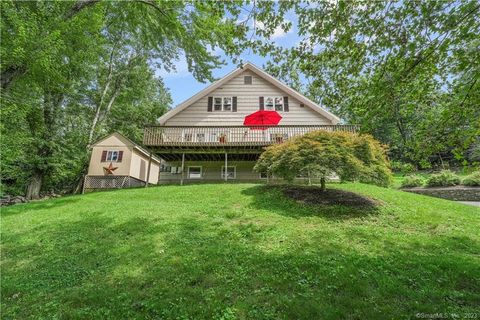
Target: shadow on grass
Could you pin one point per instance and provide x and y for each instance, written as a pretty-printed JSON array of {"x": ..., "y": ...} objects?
[
  {"x": 39, "y": 205},
  {"x": 273, "y": 198},
  {"x": 193, "y": 268}
]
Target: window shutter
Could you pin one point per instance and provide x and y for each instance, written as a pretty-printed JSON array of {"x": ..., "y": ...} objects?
[
  {"x": 104, "y": 155},
  {"x": 234, "y": 104},
  {"x": 120, "y": 156},
  {"x": 285, "y": 104},
  {"x": 210, "y": 104},
  {"x": 262, "y": 104}
]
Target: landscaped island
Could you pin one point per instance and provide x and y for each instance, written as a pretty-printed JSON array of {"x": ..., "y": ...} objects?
[{"x": 239, "y": 251}]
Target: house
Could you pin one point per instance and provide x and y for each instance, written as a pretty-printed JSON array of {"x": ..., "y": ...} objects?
[
  {"x": 205, "y": 139},
  {"x": 118, "y": 162}
]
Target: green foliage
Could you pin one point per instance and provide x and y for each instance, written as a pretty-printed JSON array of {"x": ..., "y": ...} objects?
[
  {"x": 406, "y": 71},
  {"x": 413, "y": 181},
  {"x": 472, "y": 179},
  {"x": 115, "y": 255},
  {"x": 404, "y": 168},
  {"x": 322, "y": 153},
  {"x": 444, "y": 178},
  {"x": 74, "y": 71}
]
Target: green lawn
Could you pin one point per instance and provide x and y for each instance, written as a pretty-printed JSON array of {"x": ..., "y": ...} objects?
[{"x": 238, "y": 251}]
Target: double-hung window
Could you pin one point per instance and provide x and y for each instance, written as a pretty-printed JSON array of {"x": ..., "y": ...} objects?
[
  {"x": 222, "y": 103},
  {"x": 274, "y": 103}
]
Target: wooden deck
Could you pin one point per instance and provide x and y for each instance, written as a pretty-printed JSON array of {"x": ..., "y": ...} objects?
[{"x": 229, "y": 136}]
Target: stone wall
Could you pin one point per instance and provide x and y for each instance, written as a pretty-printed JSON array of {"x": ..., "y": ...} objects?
[{"x": 458, "y": 193}]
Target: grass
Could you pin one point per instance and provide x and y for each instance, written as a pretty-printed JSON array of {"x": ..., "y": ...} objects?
[{"x": 238, "y": 251}]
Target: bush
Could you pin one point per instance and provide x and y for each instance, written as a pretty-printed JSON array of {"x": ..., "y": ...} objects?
[
  {"x": 321, "y": 153},
  {"x": 412, "y": 181},
  {"x": 444, "y": 178},
  {"x": 472, "y": 179},
  {"x": 403, "y": 168}
]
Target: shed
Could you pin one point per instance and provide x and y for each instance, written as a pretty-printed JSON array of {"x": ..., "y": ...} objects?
[{"x": 118, "y": 162}]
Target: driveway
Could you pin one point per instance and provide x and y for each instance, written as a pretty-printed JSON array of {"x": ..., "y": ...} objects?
[{"x": 471, "y": 203}]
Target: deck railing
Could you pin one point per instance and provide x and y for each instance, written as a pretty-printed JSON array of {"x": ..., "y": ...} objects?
[{"x": 230, "y": 135}]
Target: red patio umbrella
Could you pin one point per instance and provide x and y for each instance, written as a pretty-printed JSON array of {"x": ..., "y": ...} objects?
[{"x": 262, "y": 119}]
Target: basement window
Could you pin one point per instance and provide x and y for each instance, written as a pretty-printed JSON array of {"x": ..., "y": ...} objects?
[
  {"x": 231, "y": 172},
  {"x": 195, "y": 172}
]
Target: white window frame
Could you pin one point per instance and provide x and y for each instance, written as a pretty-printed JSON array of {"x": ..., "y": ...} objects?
[
  {"x": 273, "y": 107},
  {"x": 110, "y": 155},
  {"x": 222, "y": 109},
  {"x": 265, "y": 173},
  {"x": 222, "y": 173},
  {"x": 201, "y": 170}
]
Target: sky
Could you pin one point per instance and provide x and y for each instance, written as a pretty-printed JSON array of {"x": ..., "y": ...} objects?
[{"x": 182, "y": 84}]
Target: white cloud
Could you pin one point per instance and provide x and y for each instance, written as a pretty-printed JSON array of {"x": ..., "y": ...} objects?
[
  {"x": 181, "y": 69},
  {"x": 277, "y": 33}
]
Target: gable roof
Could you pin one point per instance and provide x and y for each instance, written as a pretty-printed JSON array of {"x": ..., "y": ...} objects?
[
  {"x": 128, "y": 143},
  {"x": 262, "y": 74}
]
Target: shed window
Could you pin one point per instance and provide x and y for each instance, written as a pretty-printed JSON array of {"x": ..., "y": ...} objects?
[{"x": 112, "y": 156}]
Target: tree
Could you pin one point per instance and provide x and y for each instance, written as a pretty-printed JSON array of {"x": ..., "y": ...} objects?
[
  {"x": 65, "y": 59},
  {"x": 321, "y": 153},
  {"x": 406, "y": 71}
]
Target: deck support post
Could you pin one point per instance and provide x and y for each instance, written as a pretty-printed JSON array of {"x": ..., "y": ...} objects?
[
  {"x": 226, "y": 163},
  {"x": 148, "y": 169},
  {"x": 183, "y": 168}
]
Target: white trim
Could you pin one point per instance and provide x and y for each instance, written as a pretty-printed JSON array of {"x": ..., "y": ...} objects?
[
  {"x": 222, "y": 107},
  {"x": 111, "y": 153},
  {"x": 222, "y": 172},
  {"x": 249, "y": 66},
  {"x": 201, "y": 169}
]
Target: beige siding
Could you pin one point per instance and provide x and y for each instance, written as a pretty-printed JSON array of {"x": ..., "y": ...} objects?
[
  {"x": 96, "y": 165},
  {"x": 139, "y": 168},
  {"x": 247, "y": 102},
  {"x": 211, "y": 171}
]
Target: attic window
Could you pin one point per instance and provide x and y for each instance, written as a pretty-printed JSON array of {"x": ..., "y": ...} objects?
[{"x": 247, "y": 80}]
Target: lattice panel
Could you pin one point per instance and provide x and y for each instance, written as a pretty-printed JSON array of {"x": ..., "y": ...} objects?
[{"x": 111, "y": 182}]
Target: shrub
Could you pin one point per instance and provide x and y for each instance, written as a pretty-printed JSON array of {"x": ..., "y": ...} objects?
[
  {"x": 403, "y": 168},
  {"x": 412, "y": 181},
  {"x": 444, "y": 178},
  {"x": 472, "y": 179},
  {"x": 320, "y": 153}
]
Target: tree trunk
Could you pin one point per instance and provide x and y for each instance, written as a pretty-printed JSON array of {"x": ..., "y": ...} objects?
[
  {"x": 10, "y": 74},
  {"x": 323, "y": 187},
  {"x": 34, "y": 186}
]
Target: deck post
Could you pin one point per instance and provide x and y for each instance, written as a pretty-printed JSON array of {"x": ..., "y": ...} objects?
[
  {"x": 226, "y": 163},
  {"x": 148, "y": 169},
  {"x": 183, "y": 168}
]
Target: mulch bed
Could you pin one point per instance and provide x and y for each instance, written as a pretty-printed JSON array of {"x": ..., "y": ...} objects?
[{"x": 314, "y": 196}]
